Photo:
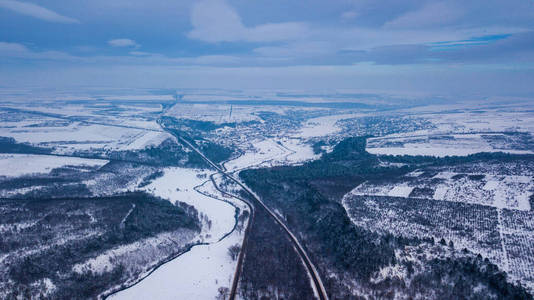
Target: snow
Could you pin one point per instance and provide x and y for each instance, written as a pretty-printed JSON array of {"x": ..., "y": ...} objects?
[
  {"x": 439, "y": 193},
  {"x": 75, "y": 136},
  {"x": 416, "y": 173},
  {"x": 23, "y": 164},
  {"x": 218, "y": 113},
  {"x": 273, "y": 152},
  {"x": 127, "y": 215},
  {"x": 444, "y": 175},
  {"x": 450, "y": 141},
  {"x": 139, "y": 250},
  {"x": 302, "y": 151},
  {"x": 322, "y": 126},
  {"x": 178, "y": 184},
  {"x": 147, "y": 139},
  {"x": 367, "y": 188},
  {"x": 500, "y": 191},
  {"x": 198, "y": 273},
  {"x": 511, "y": 192},
  {"x": 424, "y": 149},
  {"x": 400, "y": 191},
  {"x": 263, "y": 151},
  {"x": 491, "y": 185}
]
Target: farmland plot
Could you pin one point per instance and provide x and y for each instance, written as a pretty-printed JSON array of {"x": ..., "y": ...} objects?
[
  {"x": 502, "y": 191},
  {"x": 485, "y": 208},
  {"x": 467, "y": 225}
]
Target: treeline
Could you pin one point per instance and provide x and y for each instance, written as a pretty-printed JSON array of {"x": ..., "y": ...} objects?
[
  {"x": 347, "y": 159},
  {"x": 194, "y": 131},
  {"x": 454, "y": 160},
  {"x": 150, "y": 178},
  {"x": 168, "y": 153},
  {"x": 10, "y": 145},
  {"x": 199, "y": 127}
]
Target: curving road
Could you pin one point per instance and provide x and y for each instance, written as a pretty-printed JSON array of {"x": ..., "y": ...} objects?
[{"x": 318, "y": 286}]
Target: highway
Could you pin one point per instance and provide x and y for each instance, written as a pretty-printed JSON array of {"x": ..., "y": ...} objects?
[{"x": 318, "y": 286}]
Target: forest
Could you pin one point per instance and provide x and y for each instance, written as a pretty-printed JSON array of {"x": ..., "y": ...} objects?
[
  {"x": 308, "y": 197},
  {"x": 69, "y": 231}
]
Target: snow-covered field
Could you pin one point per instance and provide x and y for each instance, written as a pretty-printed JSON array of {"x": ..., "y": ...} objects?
[
  {"x": 476, "y": 117},
  {"x": 83, "y": 136},
  {"x": 500, "y": 191},
  {"x": 72, "y": 126},
  {"x": 148, "y": 139},
  {"x": 438, "y": 146},
  {"x": 323, "y": 126},
  {"x": 273, "y": 152},
  {"x": 428, "y": 150},
  {"x": 23, "y": 164}
]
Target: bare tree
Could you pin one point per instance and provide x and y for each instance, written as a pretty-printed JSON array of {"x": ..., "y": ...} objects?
[
  {"x": 223, "y": 293},
  {"x": 233, "y": 251}
]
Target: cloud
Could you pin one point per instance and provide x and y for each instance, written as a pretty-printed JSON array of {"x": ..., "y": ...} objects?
[
  {"x": 123, "y": 43},
  {"x": 216, "y": 21},
  {"x": 432, "y": 14},
  {"x": 36, "y": 11},
  {"x": 19, "y": 51},
  {"x": 140, "y": 53}
]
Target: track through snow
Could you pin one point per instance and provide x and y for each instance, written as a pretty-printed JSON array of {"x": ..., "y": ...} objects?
[
  {"x": 313, "y": 274},
  {"x": 506, "y": 261}
]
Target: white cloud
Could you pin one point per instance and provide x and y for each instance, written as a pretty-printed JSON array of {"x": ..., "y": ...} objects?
[
  {"x": 36, "y": 11},
  {"x": 19, "y": 51},
  {"x": 11, "y": 48},
  {"x": 140, "y": 53},
  {"x": 15, "y": 51},
  {"x": 216, "y": 21},
  {"x": 297, "y": 50},
  {"x": 123, "y": 43},
  {"x": 432, "y": 14}
]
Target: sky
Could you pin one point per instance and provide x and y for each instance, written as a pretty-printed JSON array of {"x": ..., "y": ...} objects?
[{"x": 478, "y": 47}]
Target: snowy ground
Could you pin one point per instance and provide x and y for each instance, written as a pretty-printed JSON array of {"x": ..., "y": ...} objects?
[
  {"x": 273, "y": 152},
  {"x": 13, "y": 165},
  {"x": 147, "y": 139},
  {"x": 72, "y": 126},
  {"x": 200, "y": 272},
  {"x": 434, "y": 145},
  {"x": 178, "y": 184},
  {"x": 500, "y": 191},
  {"x": 482, "y": 207},
  {"x": 197, "y": 274},
  {"x": 323, "y": 126},
  {"x": 461, "y": 130},
  {"x": 83, "y": 136},
  {"x": 139, "y": 255}
]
